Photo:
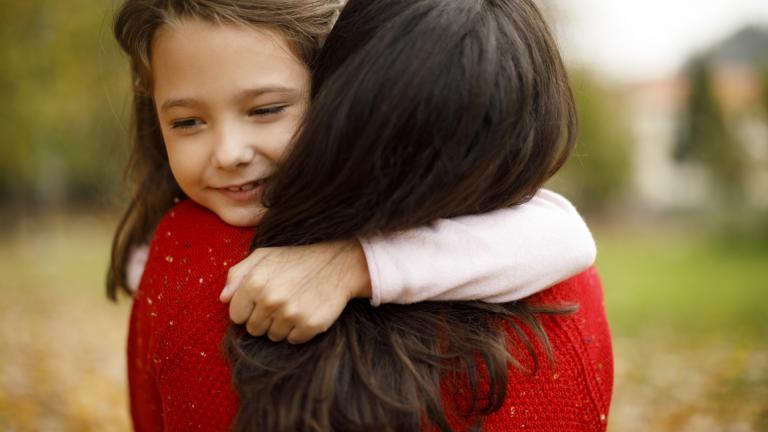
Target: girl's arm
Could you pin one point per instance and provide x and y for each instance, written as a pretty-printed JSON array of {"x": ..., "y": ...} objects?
[
  {"x": 500, "y": 256},
  {"x": 297, "y": 292}
]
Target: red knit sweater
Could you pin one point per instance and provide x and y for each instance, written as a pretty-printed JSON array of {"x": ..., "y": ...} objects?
[{"x": 179, "y": 379}]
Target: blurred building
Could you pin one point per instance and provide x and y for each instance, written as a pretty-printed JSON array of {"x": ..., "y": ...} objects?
[{"x": 655, "y": 107}]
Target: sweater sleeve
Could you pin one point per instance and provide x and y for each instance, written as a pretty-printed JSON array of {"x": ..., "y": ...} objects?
[{"x": 501, "y": 256}]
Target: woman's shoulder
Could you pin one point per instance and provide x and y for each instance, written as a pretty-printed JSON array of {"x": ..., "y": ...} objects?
[
  {"x": 584, "y": 286},
  {"x": 573, "y": 392}
]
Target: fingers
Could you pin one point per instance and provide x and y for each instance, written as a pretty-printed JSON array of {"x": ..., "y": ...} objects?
[
  {"x": 308, "y": 326},
  {"x": 282, "y": 326},
  {"x": 258, "y": 328},
  {"x": 287, "y": 293},
  {"x": 241, "y": 307},
  {"x": 276, "y": 330},
  {"x": 271, "y": 322},
  {"x": 301, "y": 335},
  {"x": 292, "y": 332},
  {"x": 260, "y": 319},
  {"x": 235, "y": 277},
  {"x": 279, "y": 329},
  {"x": 238, "y": 273}
]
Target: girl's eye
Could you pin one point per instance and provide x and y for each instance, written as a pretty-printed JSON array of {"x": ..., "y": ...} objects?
[
  {"x": 267, "y": 111},
  {"x": 185, "y": 124}
]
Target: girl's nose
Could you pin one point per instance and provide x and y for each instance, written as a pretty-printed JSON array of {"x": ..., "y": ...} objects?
[{"x": 232, "y": 150}]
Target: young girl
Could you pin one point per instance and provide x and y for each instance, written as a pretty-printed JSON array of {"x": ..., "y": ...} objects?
[{"x": 239, "y": 152}]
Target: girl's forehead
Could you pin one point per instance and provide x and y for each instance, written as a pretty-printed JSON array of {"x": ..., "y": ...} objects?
[
  {"x": 191, "y": 34},
  {"x": 193, "y": 56}
]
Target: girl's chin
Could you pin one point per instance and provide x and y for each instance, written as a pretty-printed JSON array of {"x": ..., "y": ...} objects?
[{"x": 242, "y": 217}]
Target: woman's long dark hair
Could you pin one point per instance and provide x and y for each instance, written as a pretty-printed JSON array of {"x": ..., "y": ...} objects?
[{"x": 422, "y": 109}]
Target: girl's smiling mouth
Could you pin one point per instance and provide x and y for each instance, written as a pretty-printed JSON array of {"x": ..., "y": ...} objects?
[{"x": 244, "y": 192}]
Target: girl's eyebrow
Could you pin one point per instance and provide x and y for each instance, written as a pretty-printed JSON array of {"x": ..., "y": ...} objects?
[
  {"x": 256, "y": 92},
  {"x": 245, "y": 94}
]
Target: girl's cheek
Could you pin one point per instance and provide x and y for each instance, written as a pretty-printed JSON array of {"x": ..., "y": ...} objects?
[
  {"x": 271, "y": 140},
  {"x": 188, "y": 158},
  {"x": 283, "y": 141}
]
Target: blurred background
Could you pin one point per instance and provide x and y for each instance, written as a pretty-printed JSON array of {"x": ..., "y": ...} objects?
[{"x": 671, "y": 172}]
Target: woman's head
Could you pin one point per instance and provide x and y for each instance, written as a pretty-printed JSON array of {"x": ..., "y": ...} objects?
[
  {"x": 424, "y": 109},
  {"x": 219, "y": 89},
  {"x": 421, "y": 109}
]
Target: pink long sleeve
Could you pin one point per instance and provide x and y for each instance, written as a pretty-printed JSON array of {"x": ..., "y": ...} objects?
[{"x": 497, "y": 257}]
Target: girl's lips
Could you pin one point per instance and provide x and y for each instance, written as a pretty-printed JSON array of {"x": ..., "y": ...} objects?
[{"x": 248, "y": 195}]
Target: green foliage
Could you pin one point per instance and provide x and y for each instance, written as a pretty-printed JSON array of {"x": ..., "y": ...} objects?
[
  {"x": 599, "y": 169},
  {"x": 64, "y": 86},
  {"x": 764, "y": 90},
  {"x": 63, "y": 126},
  {"x": 704, "y": 135}
]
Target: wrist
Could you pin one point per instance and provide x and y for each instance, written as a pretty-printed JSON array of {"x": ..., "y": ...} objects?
[{"x": 361, "y": 277}]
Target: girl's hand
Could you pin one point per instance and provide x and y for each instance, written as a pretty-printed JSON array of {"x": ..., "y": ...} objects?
[{"x": 296, "y": 292}]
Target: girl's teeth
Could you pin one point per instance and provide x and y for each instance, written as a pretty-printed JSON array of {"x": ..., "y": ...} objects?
[{"x": 243, "y": 188}]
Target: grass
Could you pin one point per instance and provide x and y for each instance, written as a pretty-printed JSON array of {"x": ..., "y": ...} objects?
[
  {"x": 689, "y": 284},
  {"x": 687, "y": 315},
  {"x": 62, "y": 344}
]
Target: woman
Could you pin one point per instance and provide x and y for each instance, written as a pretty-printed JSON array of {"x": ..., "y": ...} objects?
[{"x": 484, "y": 117}]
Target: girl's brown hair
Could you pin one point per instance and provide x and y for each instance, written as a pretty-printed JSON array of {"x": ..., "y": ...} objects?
[
  {"x": 421, "y": 109},
  {"x": 305, "y": 24}
]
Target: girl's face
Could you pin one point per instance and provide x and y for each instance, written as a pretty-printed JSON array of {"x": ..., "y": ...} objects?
[{"x": 229, "y": 99}]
